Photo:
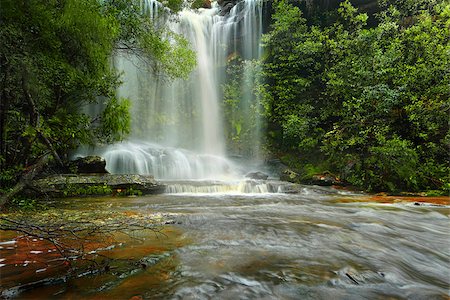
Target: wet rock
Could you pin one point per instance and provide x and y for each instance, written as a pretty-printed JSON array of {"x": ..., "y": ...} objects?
[
  {"x": 325, "y": 179},
  {"x": 88, "y": 165},
  {"x": 257, "y": 175},
  {"x": 79, "y": 185},
  {"x": 276, "y": 167},
  {"x": 290, "y": 176},
  {"x": 226, "y": 6},
  {"x": 207, "y": 4},
  {"x": 201, "y": 4}
]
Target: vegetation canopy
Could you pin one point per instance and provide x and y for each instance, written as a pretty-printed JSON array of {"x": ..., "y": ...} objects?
[
  {"x": 367, "y": 103},
  {"x": 56, "y": 58},
  {"x": 371, "y": 102}
]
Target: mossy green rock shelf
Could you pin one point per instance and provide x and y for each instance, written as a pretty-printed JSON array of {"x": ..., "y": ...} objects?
[{"x": 101, "y": 184}]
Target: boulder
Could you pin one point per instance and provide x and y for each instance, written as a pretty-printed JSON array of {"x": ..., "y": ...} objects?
[
  {"x": 257, "y": 175},
  {"x": 88, "y": 165}
]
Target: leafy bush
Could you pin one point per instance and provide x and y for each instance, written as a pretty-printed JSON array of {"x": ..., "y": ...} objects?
[{"x": 372, "y": 101}]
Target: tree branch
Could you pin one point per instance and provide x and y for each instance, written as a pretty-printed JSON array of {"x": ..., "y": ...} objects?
[{"x": 24, "y": 181}]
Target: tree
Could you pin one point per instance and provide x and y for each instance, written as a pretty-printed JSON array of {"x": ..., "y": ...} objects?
[
  {"x": 292, "y": 69},
  {"x": 56, "y": 58},
  {"x": 372, "y": 102}
]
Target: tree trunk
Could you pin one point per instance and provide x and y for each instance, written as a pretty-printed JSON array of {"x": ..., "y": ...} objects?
[
  {"x": 34, "y": 120},
  {"x": 25, "y": 180},
  {"x": 50, "y": 147}
]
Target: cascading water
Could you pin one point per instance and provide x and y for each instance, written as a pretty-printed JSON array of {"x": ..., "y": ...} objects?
[{"x": 178, "y": 126}]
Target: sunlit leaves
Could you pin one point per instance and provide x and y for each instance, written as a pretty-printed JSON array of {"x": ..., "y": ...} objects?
[{"x": 178, "y": 59}]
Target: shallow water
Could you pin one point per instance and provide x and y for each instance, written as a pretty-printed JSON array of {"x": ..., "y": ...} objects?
[{"x": 319, "y": 244}]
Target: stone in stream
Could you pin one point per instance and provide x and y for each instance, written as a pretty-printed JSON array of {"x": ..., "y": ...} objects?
[{"x": 257, "y": 175}]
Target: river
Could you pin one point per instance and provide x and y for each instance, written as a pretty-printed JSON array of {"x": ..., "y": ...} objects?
[{"x": 319, "y": 244}]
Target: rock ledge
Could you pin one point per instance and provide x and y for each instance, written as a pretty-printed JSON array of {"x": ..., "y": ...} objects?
[{"x": 71, "y": 184}]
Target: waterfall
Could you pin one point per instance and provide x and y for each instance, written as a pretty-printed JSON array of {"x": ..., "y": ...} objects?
[{"x": 177, "y": 128}]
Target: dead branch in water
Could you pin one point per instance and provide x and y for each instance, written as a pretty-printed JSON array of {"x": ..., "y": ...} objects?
[
  {"x": 80, "y": 238},
  {"x": 80, "y": 241}
]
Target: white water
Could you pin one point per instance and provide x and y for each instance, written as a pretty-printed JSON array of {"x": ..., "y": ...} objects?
[
  {"x": 165, "y": 162},
  {"x": 178, "y": 126},
  {"x": 246, "y": 186}
]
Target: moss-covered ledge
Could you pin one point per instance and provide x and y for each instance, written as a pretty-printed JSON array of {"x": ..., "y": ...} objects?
[{"x": 66, "y": 185}]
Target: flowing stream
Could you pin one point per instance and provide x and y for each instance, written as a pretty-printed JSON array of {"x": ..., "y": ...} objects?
[
  {"x": 227, "y": 238},
  {"x": 318, "y": 244}
]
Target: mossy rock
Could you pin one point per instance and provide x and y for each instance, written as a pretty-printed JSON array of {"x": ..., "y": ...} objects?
[{"x": 79, "y": 185}]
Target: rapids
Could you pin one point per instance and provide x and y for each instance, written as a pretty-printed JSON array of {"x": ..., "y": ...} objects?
[
  {"x": 233, "y": 238},
  {"x": 319, "y": 244}
]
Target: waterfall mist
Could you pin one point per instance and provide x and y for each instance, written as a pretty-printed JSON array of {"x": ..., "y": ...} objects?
[{"x": 178, "y": 128}]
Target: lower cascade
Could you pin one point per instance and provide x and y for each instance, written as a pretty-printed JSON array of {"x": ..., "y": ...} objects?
[
  {"x": 177, "y": 127},
  {"x": 212, "y": 187},
  {"x": 164, "y": 162}
]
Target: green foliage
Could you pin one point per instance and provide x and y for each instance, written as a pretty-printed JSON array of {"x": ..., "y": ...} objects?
[
  {"x": 174, "y": 5},
  {"x": 24, "y": 203},
  {"x": 177, "y": 58},
  {"x": 159, "y": 48},
  {"x": 243, "y": 109},
  {"x": 392, "y": 164},
  {"x": 8, "y": 176},
  {"x": 71, "y": 190},
  {"x": 374, "y": 102},
  {"x": 56, "y": 58},
  {"x": 196, "y": 4},
  {"x": 74, "y": 190},
  {"x": 407, "y": 8},
  {"x": 115, "y": 120},
  {"x": 129, "y": 192}
]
